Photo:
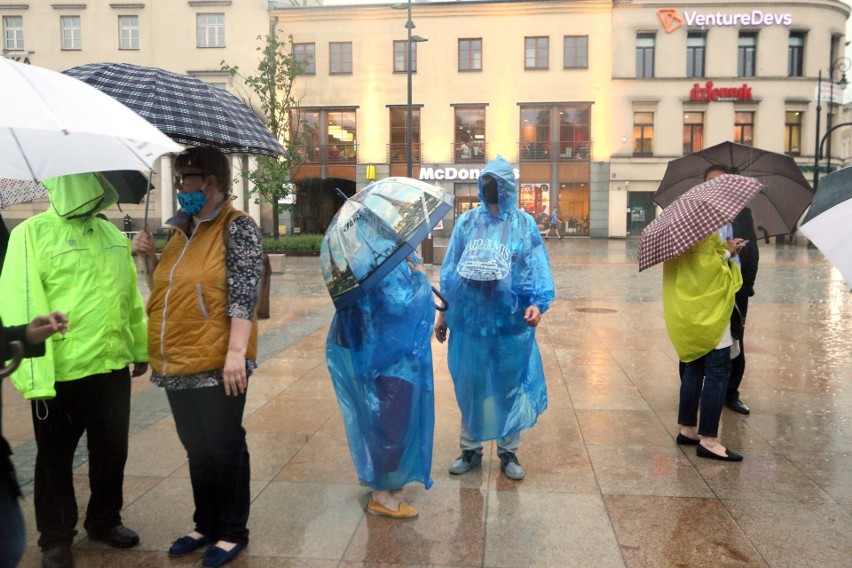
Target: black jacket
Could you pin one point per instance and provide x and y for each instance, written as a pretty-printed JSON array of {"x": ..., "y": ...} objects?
[
  {"x": 750, "y": 255},
  {"x": 7, "y": 336}
]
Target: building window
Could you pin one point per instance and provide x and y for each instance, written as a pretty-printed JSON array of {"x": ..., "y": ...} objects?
[
  {"x": 72, "y": 36},
  {"x": 128, "y": 32},
  {"x": 305, "y": 129},
  {"x": 796, "y": 54},
  {"x": 340, "y": 58},
  {"x": 13, "y": 33},
  {"x": 793, "y": 133},
  {"x": 645, "y": 43},
  {"x": 341, "y": 135},
  {"x": 643, "y": 133},
  {"x": 576, "y": 52},
  {"x": 744, "y": 128},
  {"x": 693, "y": 132},
  {"x": 696, "y": 44},
  {"x": 535, "y": 133},
  {"x": 210, "y": 30},
  {"x": 400, "y": 64},
  {"x": 305, "y": 55},
  {"x": 469, "y": 140},
  {"x": 398, "y": 139},
  {"x": 470, "y": 54},
  {"x": 746, "y": 54},
  {"x": 574, "y": 133},
  {"x": 536, "y": 52}
]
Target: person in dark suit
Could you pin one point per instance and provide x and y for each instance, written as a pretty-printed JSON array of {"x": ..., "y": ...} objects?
[{"x": 743, "y": 226}]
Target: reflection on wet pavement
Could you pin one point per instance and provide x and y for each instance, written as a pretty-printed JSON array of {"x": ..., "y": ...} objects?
[{"x": 606, "y": 485}]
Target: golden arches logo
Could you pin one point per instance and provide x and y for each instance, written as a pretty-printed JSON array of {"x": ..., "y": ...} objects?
[{"x": 669, "y": 18}]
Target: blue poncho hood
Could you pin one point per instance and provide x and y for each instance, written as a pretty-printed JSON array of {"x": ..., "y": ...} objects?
[{"x": 507, "y": 188}]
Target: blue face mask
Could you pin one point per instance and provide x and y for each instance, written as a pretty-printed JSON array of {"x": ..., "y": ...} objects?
[{"x": 191, "y": 203}]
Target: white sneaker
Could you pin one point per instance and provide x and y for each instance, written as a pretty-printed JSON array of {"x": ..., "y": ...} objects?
[
  {"x": 511, "y": 467},
  {"x": 464, "y": 462}
]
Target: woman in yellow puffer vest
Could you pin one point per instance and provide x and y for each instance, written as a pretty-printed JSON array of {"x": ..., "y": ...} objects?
[{"x": 202, "y": 341}]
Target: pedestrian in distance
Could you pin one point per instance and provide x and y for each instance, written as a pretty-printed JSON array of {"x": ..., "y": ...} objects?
[
  {"x": 67, "y": 259},
  {"x": 31, "y": 338},
  {"x": 203, "y": 340},
  {"x": 379, "y": 356},
  {"x": 497, "y": 281},
  {"x": 554, "y": 224}
]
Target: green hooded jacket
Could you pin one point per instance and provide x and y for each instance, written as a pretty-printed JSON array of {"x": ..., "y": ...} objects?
[
  {"x": 698, "y": 297},
  {"x": 67, "y": 259}
]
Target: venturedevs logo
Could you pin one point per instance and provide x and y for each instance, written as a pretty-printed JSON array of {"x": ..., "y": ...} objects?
[
  {"x": 669, "y": 18},
  {"x": 671, "y": 21}
]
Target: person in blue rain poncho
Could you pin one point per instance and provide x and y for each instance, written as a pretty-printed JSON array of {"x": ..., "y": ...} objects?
[
  {"x": 497, "y": 281},
  {"x": 379, "y": 355}
]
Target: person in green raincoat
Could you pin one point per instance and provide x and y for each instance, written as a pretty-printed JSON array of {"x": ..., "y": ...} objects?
[
  {"x": 68, "y": 259},
  {"x": 698, "y": 297}
]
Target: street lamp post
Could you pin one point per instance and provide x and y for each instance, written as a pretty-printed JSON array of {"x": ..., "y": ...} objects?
[
  {"x": 841, "y": 64},
  {"x": 409, "y": 119}
]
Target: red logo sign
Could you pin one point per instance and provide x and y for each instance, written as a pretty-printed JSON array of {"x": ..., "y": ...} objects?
[
  {"x": 710, "y": 93},
  {"x": 669, "y": 18}
]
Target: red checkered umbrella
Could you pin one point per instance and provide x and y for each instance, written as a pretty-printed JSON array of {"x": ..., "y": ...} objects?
[{"x": 693, "y": 216}]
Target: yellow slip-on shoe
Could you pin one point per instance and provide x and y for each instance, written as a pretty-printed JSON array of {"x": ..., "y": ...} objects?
[{"x": 405, "y": 511}]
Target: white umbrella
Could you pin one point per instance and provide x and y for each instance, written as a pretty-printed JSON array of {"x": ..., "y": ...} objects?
[{"x": 52, "y": 125}]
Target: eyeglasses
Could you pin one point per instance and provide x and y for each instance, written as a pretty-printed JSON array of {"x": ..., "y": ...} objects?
[{"x": 180, "y": 179}]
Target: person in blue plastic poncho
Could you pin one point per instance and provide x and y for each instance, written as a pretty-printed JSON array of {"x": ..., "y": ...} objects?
[
  {"x": 379, "y": 355},
  {"x": 496, "y": 278}
]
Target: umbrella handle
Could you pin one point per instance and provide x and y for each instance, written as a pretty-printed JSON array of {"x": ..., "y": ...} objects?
[
  {"x": 16, "y": 353},
  {"x": 443, "y": 301}
]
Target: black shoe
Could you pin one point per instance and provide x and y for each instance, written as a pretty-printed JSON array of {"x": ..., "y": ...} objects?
[
  {"x": 57, "y": 557},
  {"x": 685, "y": 440},
  {"x": 738, "y": 406},
  {"x": 215, "y": 556},
  {"x": 118, "y": 536},
  {"x": 185, "y": 545},
  {"x": 730, "y": 456}
]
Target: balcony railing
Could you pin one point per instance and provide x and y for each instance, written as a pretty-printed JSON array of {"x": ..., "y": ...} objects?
[
  {"x": 398, "y": 153},
  {"x": 554, "y": 151},
  {"x": 470, "y": 152},
  {"x": 339, "y": 153}
]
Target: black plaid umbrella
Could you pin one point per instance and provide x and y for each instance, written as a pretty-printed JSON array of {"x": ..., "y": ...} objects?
[
  {"x": 189, "y": 111},
  {"x": 776, "y": 209},
  {"x": 694, "y": 216}
]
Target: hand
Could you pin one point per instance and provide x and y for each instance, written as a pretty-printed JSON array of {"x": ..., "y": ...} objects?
[
  {"x": 734, "y": 246},
  {"x": 532, "y": 316},
  {"x": 143, "y": 243},
  {"x": 415, "y": 267},
  {"x": 234, "y": 374},
  {"x": 440, "y": 328},
  {"x": 139, "y": 369},
  {"x": 43, "y": 327}
]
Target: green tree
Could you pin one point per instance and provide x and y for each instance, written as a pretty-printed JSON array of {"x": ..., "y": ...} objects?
[{"x": 272, "y": 86}]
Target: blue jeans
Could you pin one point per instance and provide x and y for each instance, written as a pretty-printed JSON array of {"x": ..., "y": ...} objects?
[
  {"x": 704, "y": 383},
  {"x": 12, "y": 539}
]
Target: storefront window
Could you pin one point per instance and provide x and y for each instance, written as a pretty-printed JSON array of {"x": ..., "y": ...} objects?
[
  {"x": 469, "y": 140},
  {"x": 574, "y": 133},
  {"x": 535, "y": 133},
  {"x": 744, "y": 128},
  {"x": 341, "y": 136},
  {"x": 305, "y": 128},
  {"x": 693, "y": 132},
  {"x": 398, "y": 142},
  {"x": 573, "y": 208}
]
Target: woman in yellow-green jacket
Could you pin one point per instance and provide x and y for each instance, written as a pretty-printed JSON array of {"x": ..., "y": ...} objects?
[{"x": 698, "y": 298}]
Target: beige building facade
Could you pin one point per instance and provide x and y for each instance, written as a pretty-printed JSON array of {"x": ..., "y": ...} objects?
[{"x": 588, "y": 99}]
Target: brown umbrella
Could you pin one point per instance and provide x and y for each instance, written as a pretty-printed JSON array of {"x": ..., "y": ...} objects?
[
  {"x": 694, "y": 216},
  {"x": 776, "y": 209}
]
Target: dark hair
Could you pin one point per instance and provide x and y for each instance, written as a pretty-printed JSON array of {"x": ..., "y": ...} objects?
[
  {"x": 719, "y": 168},
  {"x": 210, "y": 161}
]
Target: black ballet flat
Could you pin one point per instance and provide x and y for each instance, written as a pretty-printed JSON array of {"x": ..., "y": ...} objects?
[
  {"x": 730, "y": 456},
  {"x": 685, "y": 441}
]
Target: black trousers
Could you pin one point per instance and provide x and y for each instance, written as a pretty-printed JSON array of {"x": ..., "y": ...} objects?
[
  {"x": 738, "y": 362},
  {"x": 209, "y": 425},
  {"x": 98, "y": 405}
]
